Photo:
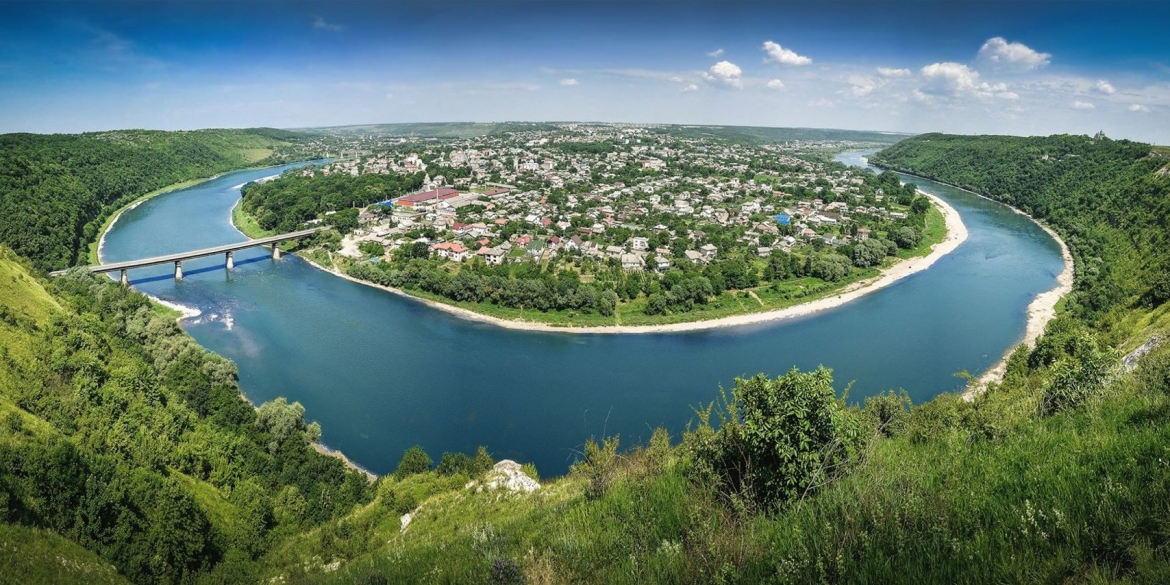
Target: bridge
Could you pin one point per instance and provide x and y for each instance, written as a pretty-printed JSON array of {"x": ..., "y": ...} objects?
[{"x": 228, "y": 250}]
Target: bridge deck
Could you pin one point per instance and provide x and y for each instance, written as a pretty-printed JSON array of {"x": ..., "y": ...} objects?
[{"x": 171, "y": 258}]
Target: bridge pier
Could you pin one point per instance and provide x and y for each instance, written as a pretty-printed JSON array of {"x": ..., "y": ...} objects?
[
  {"x": 178, "y": 270},
  {"x": 275, "y": 252},
  {"x": 125, "y": 277},
  {"x": 231, "y": 262}
]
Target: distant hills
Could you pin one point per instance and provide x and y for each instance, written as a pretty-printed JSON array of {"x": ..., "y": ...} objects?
[{"x": 750, "y": 134}]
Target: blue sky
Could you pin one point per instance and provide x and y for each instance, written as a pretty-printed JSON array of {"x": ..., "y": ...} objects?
[{"x": 915, "y": 66}]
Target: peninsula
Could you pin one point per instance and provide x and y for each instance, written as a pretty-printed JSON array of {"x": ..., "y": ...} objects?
[{"x": 606, "y": 228}]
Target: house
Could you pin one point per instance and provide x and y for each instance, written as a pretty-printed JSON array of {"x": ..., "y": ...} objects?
[
  {"x": 454, "y": 251},
  {"x": 662, "y": 263},
  {"x": 639, "y": 243},
  {"x": 492, "y": 256},
  {"x": 614, "y": 251},
  {"x": 694, "y": 256},
  {"x": 763, "y": 251},
  {"x": 783, "y": 219},
  {"x": 573, "y": 243},
  {"x": 708, "y": 251},
  {"x": 632, "y": 262},
  {"x": 863, "y": 234}
]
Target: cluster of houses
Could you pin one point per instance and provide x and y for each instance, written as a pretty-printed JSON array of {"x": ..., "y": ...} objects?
[{"x": 527, "y": 195}]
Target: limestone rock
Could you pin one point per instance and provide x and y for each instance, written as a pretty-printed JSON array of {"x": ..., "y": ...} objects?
[{"x": 507, "y": 475}]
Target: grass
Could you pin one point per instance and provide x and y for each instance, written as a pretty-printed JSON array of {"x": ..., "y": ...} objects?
[
  {"x": 32, "y": 555},
  {"x": 247, "y": 224},
  {"x": 934, "y": 233}
]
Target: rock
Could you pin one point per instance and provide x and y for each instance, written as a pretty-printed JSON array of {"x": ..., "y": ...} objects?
[
  {"x": 508, "y": 475},
  {"x": 405, "y": 519}
]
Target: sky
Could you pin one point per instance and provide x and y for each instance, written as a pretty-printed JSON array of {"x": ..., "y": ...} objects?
[{"x": 985, "y": 67}]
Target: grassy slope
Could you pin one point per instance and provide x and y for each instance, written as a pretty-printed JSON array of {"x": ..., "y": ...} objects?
[{"x": 32, "y": 556}]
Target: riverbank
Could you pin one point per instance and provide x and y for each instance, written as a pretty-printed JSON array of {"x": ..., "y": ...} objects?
[
  {"x": 95, "y": 247},
  {"x": 956, "y": 235},
  {"x": 1040, "y": 311}
]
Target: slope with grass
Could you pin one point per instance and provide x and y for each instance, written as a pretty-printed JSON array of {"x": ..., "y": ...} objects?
[{"x": 120, "y": 434}]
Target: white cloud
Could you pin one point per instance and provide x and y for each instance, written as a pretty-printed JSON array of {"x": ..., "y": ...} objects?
[
  {"x": 951, "y": 77},
  {"x": 955, "y": 79},
  {"x": 821, "y": 103},
  {"x": 1018, "y": 56},
  {"x": 778, "y": 54},
  {"x": 716, "y": 53},
  {"x": 725, "y": 72},
  {"x": 1079, "y": 105},
  {"x": 1138, "y": 108},
  {"x": 568, "y": 82},
  {"x": 861, "y": 86},
  {"x": 689, "y": 88},
  {"x": 320, "y": 24},
  {"x": 891, "y": 72},
  {"x": 1104, "y": 87},
  {"x": 775, "y": 84}
]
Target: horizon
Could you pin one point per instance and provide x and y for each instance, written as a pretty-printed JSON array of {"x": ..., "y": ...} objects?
[{"x": 1030, "y": 68}]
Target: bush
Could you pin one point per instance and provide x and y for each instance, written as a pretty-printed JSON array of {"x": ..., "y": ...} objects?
[
  {"x": 598, "y": 466},
  {"x": 781, "y": 438},
  {"x": 888, "y": 412},
  {"x": 414, "y": 460},
  {"x": 1076, "y": 378}
]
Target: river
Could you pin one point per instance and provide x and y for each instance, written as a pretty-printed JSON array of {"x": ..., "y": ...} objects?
[{"x": 382, "y": 373}]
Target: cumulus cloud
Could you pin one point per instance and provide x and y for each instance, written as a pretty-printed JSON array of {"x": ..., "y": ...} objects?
[
  {"x": 891, "y": 72},
  {"x": 689, "y": 88},
  {"x": 716, "y": 53},
  {"x": 320, "y": 24},
  {"x": 1104, "y": 87},
  {"x": 775, "y": 84},
  {"x": 778, "y": 54},
  {"x": 861, "y": 86},
  {"x": 1079, "y": 105},
  {"x": 1138, "y": 108},
  {"x": 955, "y": 79},
  {"x": 1017, "y": 56},
  {"x": 568, "y": 82},
  {"x": 725, "y": 72}
]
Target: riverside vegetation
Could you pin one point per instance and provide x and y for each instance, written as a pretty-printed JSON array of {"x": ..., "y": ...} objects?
[{"x": 1057, "y": 473}]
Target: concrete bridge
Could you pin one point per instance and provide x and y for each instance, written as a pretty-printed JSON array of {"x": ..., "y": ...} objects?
[{"x": 228, "y": 250}]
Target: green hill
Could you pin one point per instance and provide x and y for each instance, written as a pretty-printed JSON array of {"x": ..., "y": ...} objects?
[{"x": 56, "y": 190}]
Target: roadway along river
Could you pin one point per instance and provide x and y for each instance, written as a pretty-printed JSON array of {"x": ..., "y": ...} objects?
[{"x": 382, "y": 373}]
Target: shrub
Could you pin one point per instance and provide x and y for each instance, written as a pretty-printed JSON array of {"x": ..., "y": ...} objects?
[
  {"x": 781, "y": 438},
  {"x": 598, "y": 466},
  {"x": 414, "y": 460},
  {"x": 1077, "y": 377},
  {"x": 888, "y": 412}
]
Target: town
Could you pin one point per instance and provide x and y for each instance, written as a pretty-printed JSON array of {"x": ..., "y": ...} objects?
[{"x": 594, "y": 198}]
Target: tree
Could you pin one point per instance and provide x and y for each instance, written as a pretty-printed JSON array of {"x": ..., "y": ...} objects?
[
  {"x": 414, "y": 461},
  {"x": 906, "y": 237},
  {"x": 868, "y": 253},
  {"x": 282, "y": 420},
  {"x": 830, "y": 267}
]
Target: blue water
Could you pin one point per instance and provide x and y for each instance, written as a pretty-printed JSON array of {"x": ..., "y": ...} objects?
[{"x": 382, "y": 373}]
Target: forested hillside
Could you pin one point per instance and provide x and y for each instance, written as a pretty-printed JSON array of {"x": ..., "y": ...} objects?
[
  {"x": 1110, "y": 199},
  {"x": 120, "y": 433},
  {"x": 56, "y": 190}
]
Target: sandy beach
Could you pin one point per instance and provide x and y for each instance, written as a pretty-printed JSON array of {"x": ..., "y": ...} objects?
[{"x": 956, "y": 235}]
